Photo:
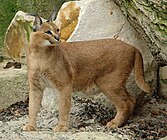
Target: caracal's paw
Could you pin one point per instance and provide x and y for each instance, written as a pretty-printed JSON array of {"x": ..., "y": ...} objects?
[
  {"x": 113, "y": 124},
  {"x": 61, "y": 128},
  {"x": 28, "y": 127}
]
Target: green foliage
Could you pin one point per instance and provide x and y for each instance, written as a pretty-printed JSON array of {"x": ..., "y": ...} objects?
[{"x": 8, "y": 8}]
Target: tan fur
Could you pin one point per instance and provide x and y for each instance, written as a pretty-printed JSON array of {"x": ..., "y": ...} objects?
[{"x": 76, "y": 66}]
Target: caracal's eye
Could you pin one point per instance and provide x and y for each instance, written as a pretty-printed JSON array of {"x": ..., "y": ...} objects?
[
  {"x": 48, "y": 32},
  {"x": 58, "y": 30}
]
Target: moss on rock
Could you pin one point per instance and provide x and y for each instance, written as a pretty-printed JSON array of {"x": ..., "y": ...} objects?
[{"x": 149, "y": 17}]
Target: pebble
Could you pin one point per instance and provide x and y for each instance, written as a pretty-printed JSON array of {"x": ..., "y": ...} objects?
[
  {"x": 1, "y": 123},
  {"x": 82, "y": 129}
]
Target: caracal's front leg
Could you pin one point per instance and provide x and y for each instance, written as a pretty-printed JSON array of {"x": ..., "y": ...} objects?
[
  {"x": 35, "y": 97},
  {"x": 64, "y": 109}
]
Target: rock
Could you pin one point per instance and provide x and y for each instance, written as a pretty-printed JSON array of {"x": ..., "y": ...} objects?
[
  {"x": 1, "y": 124},
  {"x": 17, "y": 35},
  {"x": 13, "y": 86},
  {"x": 67, "y": 19},
  {"x": 50, "y": 98},
  {"x": 165, "y": 138},
  {"x": 149, "y": 18},
  {"x": 163, "y": 82}
]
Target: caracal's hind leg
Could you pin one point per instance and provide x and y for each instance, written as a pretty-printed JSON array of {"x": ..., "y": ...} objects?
[
  {"x": 35, "y": 98},
  {"x": 114, "y": 88},
  {"x": 64, "y": 109}
]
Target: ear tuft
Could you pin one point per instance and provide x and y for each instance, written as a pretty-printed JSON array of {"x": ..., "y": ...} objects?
[
  {"x": 37, "y": 23},
  {"x": 53, "y": 15}
]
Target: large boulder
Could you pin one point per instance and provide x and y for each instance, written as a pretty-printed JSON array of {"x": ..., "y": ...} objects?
[
  {"x": 67, "y": 19},
  {"x": 17, "y": 35}
]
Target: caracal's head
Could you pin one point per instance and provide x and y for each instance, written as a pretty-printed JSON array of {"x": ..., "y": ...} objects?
[{"x": 48, "y": 30}]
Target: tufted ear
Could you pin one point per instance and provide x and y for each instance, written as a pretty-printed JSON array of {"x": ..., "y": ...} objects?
[
  {"x": 53, "y": 15},
  {"x": 37, "y": 23}
]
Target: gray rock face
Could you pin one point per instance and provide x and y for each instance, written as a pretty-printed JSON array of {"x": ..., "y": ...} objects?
[{"x": 150, "y": 19}]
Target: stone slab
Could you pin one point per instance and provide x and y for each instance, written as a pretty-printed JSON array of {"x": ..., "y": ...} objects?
[{"x": 13, "y": 86}]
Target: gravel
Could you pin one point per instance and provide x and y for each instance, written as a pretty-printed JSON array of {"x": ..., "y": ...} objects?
[{"x": 87, "y": 121}]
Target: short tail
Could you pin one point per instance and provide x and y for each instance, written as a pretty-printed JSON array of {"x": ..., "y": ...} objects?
[{"x": 139, "y": 73}]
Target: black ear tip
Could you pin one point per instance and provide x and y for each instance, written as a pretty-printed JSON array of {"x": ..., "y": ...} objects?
[
  {"x": 53, "y": 14},
  {"x": 37, "y": 22}
]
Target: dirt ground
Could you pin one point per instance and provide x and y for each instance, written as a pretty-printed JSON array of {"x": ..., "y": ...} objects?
[{"x": 87, "y": 121}]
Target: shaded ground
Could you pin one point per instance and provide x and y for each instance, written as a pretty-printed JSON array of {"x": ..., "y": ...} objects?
[{"x": 87, "y": 116}]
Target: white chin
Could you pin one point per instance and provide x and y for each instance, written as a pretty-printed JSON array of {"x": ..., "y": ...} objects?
[{"x": 46, "y": 43}]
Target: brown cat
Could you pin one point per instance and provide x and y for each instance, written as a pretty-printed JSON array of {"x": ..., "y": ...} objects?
[{"x": 76, "y": 66}]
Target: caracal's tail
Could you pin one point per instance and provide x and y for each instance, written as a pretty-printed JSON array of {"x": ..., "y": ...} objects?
[{"x": 139, "y": 73}]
